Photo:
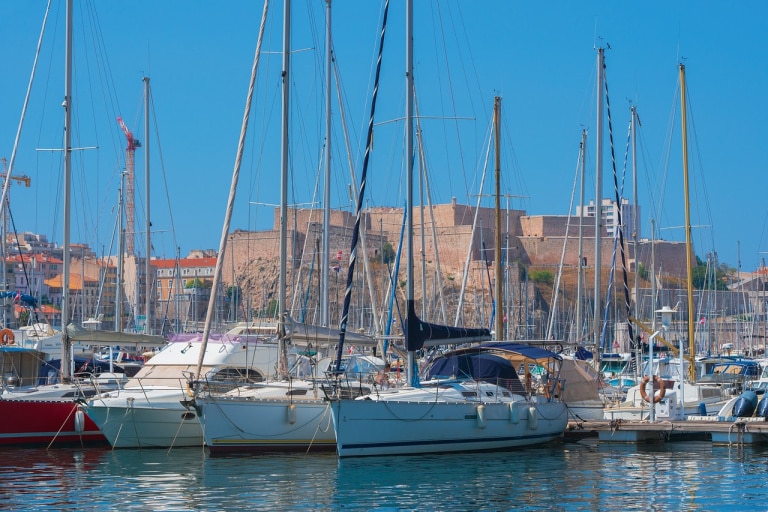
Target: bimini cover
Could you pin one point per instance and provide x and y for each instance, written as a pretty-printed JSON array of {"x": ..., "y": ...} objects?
[
  {"x": 526, "y": 351},
  {"x": 474, "y": 365},
  {"x": 489, "y": 361}
]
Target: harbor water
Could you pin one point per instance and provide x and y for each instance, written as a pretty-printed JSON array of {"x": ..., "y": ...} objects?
[{"x": 561, "y": 476}]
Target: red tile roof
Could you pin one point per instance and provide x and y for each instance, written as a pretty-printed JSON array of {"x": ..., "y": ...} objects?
[{"x": 185, "y": 263}]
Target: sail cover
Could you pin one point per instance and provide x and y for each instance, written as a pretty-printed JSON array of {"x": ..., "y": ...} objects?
[{"x": 419, "y": 334}]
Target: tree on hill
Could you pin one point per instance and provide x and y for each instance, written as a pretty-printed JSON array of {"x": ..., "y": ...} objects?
[{"x": 714, "y": 279}]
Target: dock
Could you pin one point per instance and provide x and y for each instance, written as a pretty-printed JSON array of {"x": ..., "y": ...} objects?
[{"x": 718, "y": 430}]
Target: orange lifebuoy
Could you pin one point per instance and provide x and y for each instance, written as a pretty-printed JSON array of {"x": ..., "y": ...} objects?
[
  {"x": 657, "y": 396},
  {"x": 6, "y": 337}
]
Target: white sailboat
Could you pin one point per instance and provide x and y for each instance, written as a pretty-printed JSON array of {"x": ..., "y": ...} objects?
[
  {"x": 675, "y": 394},
  {"x": 473, "y": 399},
  {"x": 154, "y": 408},
  {"x": 51, "y": 413},
  {"x": 291, "y": 413}
]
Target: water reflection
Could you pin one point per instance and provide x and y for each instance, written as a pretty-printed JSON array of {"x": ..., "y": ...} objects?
[{"x": 579, "y": 476}]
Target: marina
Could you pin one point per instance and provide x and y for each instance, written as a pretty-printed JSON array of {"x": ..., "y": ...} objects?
[{"x": 458, "y": 351}]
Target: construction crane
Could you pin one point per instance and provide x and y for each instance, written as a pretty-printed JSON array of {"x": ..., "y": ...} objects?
[
  {"x": 130, "y": 215},
  {"x": 19, "y": 179},
  {"x": 6, "y": 215}
]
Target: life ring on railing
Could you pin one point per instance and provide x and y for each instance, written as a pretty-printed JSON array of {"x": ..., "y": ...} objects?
[
  {"x": 658, "y": 395},
  {"x": 6, "y": 337}
]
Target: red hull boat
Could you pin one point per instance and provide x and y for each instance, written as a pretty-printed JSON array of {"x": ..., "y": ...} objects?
[{"x": 49, "y": 422}]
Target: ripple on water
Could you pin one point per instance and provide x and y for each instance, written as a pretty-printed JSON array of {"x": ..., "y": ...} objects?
[{"x": 581, "y": 476}]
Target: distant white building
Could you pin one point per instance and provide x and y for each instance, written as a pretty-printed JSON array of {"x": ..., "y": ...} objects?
[{"x": 609, "y": 213}]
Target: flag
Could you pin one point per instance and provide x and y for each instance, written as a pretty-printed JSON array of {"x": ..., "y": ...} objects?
[{"x": 336, "y": 268}]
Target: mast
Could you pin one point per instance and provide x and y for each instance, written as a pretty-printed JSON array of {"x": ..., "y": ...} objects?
[
  {"x": 120, "y": 256},
  {"x": 635, "y": 220},
  {"x": 148, "y": 267},
  {"x": 231, "y": 199},
  {"x": 596, "y": 327},
  {"x": 284, "y": 169},
  {"x": 325, "y": 264},
  {"x": 580, "y": 268},
  {"x": 65, "y": 344},
  {"x": 356, "y": 231},
  {"x": 409, "y": 171},
  {"x": 497, "y": 253},
  {"x": 688, "y": 240}
]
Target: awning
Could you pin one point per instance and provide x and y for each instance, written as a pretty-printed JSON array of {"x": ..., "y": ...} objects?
[{"x": 111, "y": 338}]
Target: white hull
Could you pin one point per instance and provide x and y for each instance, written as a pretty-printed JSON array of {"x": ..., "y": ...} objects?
[
  {"x": 247, "y": 424},
  {"x": 135, "y": 418},
  {"x": 696, "y": 396},
  {"x": 392, "y": 425},
  {"x": 586, "y": 410},
  {"x": 150, "y": 412}
]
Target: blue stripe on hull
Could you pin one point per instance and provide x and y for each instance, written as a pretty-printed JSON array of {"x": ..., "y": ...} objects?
[{"x": 449, "y": 442}]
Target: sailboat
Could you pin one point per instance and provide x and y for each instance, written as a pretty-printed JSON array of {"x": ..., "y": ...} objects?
[
  {"x": 675, "y": 393},
  {"x": 472, "y": 398},
  {"x": 50, "y": 413},
  {"x": 290, "y": 413},
  {"x": 154, "y": 409}
]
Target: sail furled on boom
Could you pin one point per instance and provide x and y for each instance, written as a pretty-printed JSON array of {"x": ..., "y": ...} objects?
[{"x": 420, "y": 334}]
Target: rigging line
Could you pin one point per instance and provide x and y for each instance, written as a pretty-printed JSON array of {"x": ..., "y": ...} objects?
[
  {"x": 490, "y": 288},
  {"x": 231, "y": 198},
  {"x": 296, "y": 296},
  {"x": 103, "y": 277},
  {"x": 102, "y": 76},
  {"x": 618, "y": 225},
  {"x": 21, "y": 257},
  {"x": 452, "y": 98},
  {"x": 465, "y": 274},
  {"x": 424, "y": 172},
  {"x": 551, "y": 325},
  {"x": 348, "y": 147},
  {"x": 701, "y": 173},
  {"x": 664, "y": 165},
  {"x": 361, "y": 195},
  {"x": 162, "y": 168},
  {"x": 466, "y": 45},
  {"x": 23, "y": 112},
  {"x": 518, "y": 177}
]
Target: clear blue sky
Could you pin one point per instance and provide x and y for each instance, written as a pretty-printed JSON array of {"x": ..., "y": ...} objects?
[{"x": 539, "y": 56}]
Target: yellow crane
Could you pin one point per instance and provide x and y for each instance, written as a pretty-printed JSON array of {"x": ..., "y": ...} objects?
[{"x": 20, "y": 179}]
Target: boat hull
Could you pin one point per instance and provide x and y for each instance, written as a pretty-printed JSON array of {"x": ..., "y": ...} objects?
[
  {"x": 245, "y": 425},
  {"x": 151, "y": 419},
  {"x": 46, "y": 422},
  {"x": 370, "y": 427}
]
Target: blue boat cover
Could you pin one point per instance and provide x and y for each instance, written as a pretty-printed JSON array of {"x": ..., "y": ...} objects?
[
  {"x": 474, "y": 365},
  {"x": 483, "y": 362}
]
